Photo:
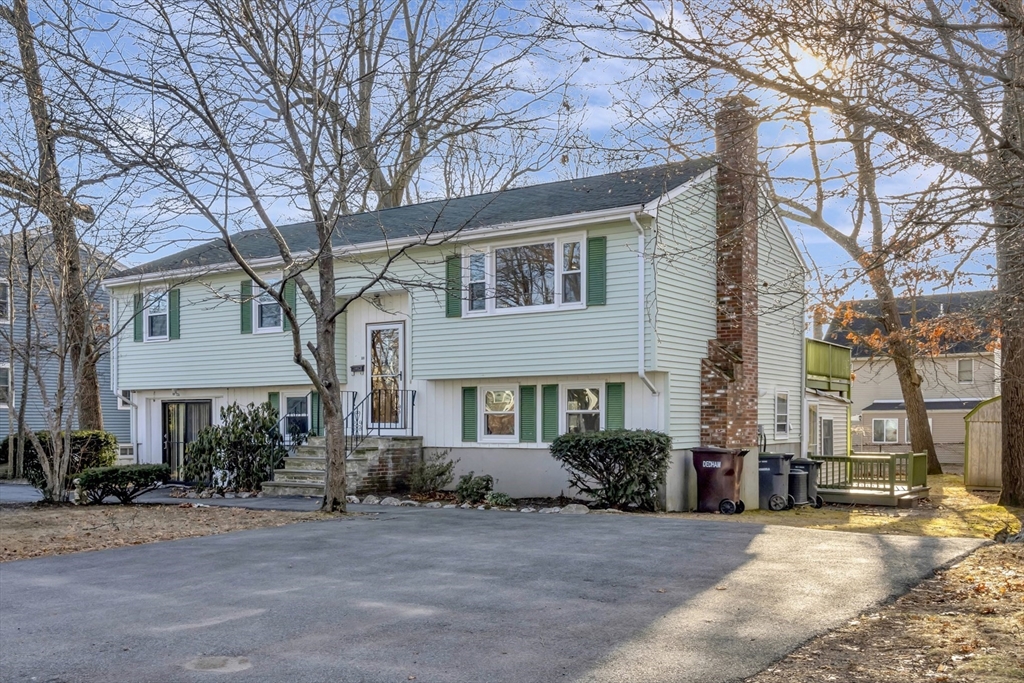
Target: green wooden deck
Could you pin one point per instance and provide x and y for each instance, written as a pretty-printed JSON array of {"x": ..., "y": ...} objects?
[{"x": 890, "y": 479}]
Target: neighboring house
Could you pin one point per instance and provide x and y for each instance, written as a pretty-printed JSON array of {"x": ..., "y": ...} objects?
[
  {"x": 963, "y": 372},
  {"x": 570, "y": 306},
  {"x": 13, "y": 304},
  {"x": 828, "y": 399}
]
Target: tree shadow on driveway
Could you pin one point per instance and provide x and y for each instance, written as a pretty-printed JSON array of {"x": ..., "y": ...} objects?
[{"x": 453, "y": 595}]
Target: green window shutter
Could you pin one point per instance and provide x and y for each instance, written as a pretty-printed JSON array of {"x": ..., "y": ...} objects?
[
  {"x": 549, "y": 413},
  {"x": 316, "y": 412},
  {"x": 274, "y": 399},
  {"x": 597, "y": 271},
  {"x": 453, "y": 287},
  {"x": 174, "y": 314},
  {"x": 528, "y": 413},
  {"x": 469, "y": 413},
  {"x": 246, "y": 306},
  {"x": 289, "y": 298},
  {"x": 137, "y": 322},
  {"x": 615, "y": 405}
]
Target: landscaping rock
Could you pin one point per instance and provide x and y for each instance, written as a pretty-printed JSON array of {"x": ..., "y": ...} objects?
[
  {"x": 191, "y": 494},
  {"x": 435, "y": 504},
  {"x": 528, "y": 510},
  {"x": 391, "y": 501},
  {"x": 409, "y": 504},
  {"x": 548, "y": 511},
  {"x": 352, "y": 499},
  {"x": 450, "y": 506},
  {"x": 465, "y": 506},
  {"x": 206, "y": 494},
  {"x": 371, "y": 500},
  {"x": 229, "y": 495},
  {"x": 483, "y": 507},
  {"x": 574, "y": 509}
]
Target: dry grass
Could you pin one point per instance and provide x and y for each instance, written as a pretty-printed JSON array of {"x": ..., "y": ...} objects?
[
  {"x": 952, "y": 511},
  {"x": 34, "y": 530},
  {"x": 965, "y": 625}
]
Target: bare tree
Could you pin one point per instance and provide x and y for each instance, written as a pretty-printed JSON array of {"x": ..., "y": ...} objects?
[
  {"x": 53, "y": 163},
  {"x": 929, "y": 84},
  {"x": 244, "y": 108}
]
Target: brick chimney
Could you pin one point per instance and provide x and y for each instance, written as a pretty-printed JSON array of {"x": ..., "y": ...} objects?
[{"x": 728, "y": 411}]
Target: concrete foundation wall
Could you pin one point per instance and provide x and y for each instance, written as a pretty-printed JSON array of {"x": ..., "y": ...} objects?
[{"x": 519, "y": 472}]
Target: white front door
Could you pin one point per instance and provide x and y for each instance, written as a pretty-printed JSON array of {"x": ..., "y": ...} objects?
[{"x": 385, "y": 377}]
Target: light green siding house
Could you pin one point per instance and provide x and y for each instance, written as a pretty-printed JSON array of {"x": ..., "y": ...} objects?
[{"x": 574, "y": 305}]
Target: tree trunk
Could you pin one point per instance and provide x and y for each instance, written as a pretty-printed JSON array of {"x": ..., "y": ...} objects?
[
  {"x": 1009, "y": 218},
  {"x": 61, "y": 211},
  {"x": 901, "y": 350},
  {"x": 335, "y": 485}
]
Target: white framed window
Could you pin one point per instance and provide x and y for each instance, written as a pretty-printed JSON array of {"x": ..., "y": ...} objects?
[
  {"x": 477, "y": 282},
  {"x": 156, "y": 316},
  {"x": 965, "y": 370},
  {"x": 5, "y": 302},
  {"x": 827, "y": 436},
  {"x": 582, "y": 409},
  {"x": 124, "y": 399},
  {"x": 781, "y": 413},
  {"x": 526, "y": 276},
  {"x": 6, "y": 385},
  {"x": 906, "y": 428},
  {"x": 885, "y": 430},
  {"x": 499, "y": 413},
  {"x": 266, "y": 312}
]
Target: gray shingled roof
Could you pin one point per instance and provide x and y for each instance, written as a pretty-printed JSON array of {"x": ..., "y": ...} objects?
[
  {"x": 547, "y": 200},
  {"x": 981, "y": 306},
  {"x": 929, "y": 403}
]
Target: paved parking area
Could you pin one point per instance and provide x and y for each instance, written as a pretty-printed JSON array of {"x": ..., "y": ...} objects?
[{"x": 450, "y": 595}]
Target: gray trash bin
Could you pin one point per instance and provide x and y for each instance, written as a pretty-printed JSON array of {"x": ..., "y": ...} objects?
[
  {"x": 812, "y": 467},
  {"x": 798, "y": 487},
  {"x": 773, "y": 480}
]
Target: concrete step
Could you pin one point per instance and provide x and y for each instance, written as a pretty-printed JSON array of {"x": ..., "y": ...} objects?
[
  {"x": 295, "y": 462},
  {"x": 317, "y": 441},
  {"x": 283, "y": 488},
  {"x": 300, "y": 475},
  {"x": 310, "y": 451}
]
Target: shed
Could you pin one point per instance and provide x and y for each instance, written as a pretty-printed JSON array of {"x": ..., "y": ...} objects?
[{"x": 983, "y": 445}]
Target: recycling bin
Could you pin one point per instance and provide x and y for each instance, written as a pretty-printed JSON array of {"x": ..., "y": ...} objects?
[
  {"x": 773, "y": 480},
  {"x": 718, "y": 479},
  {"x": 812, "y": 467}
]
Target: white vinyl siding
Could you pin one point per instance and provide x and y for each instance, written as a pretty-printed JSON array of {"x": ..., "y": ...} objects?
[
  {"x": 780, "y": 325},
  {"x": 594, "y": 339},
  {"x": 681, "y": 301}
]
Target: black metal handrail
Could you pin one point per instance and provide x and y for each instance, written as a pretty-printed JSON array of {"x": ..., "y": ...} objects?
[
  {"x": 297, "y": 438},
  {"x": 380, "y": 410}
]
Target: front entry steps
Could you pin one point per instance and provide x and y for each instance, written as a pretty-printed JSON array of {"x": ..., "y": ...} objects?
[{"x": 378, "y": 465}]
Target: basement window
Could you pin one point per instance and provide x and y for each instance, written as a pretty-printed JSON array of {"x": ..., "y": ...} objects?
[
  {"x": 499, "y": 414},
  {"x": 582, "y": 410}
]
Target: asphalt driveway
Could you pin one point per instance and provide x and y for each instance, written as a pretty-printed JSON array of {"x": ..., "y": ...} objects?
[{"x": 450, "y": 595}]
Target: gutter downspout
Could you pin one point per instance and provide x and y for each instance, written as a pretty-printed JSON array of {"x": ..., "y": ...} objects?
[{"x": 641, "y": 291}]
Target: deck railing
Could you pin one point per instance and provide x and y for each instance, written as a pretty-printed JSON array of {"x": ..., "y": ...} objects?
[{"x": 884, "y": 472}]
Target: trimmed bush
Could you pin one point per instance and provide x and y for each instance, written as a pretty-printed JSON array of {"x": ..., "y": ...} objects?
[
  {"x": 126, "y": 483},
  {"x": 618, "y": 468},
  {"x": 432, "y": 473},
  {"x": 238, "y": 453},
  {"x": 499, "y": 500},
  {"x": 89, "y": 449},
  {"x": 472, "y": 489}
]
